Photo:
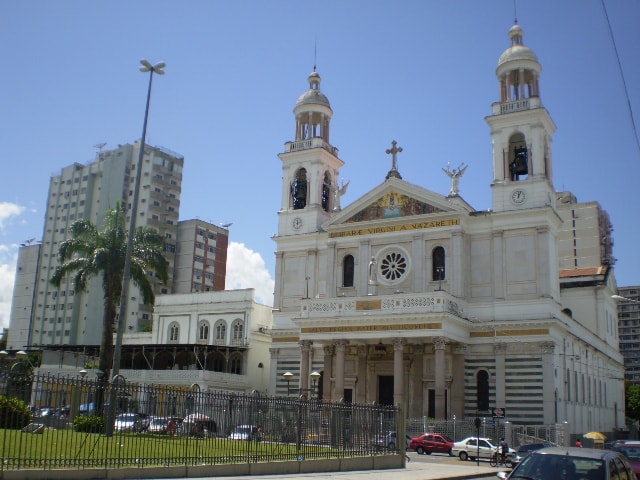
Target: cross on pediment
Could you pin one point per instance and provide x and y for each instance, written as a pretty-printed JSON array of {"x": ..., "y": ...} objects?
[{"x": 393, "y": 151}]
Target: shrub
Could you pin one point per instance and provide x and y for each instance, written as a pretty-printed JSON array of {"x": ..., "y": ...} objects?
[
  {"x": 14, "y": 413},
  {"x": 88, "y": 424}
]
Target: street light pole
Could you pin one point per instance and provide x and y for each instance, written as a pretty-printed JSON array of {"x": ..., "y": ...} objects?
[
  {"x": 287, "y": 376},
  {"x": 126, "y": 274}
]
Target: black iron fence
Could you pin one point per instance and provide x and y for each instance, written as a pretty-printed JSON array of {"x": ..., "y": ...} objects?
[{"x": 49, "y": 422}]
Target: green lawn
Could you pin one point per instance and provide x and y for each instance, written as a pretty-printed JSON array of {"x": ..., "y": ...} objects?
[{"x": 66, "y": 448}]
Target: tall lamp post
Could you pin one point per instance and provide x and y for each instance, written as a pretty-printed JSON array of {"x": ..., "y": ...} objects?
[
  {"x": 287, "y": 376},
  {"x": 315, "y": 376},
  {"x": 158, "y": 68}
]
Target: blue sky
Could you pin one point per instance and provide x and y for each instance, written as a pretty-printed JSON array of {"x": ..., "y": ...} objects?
[{"x": 419, "y": 72}]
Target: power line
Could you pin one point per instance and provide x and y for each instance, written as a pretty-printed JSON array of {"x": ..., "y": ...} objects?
[{"x": 624, "y": 82}]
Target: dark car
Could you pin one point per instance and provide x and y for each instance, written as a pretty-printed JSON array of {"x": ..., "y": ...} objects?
[
  {"x": 631, "y": 450},
  {"x": 389, "y": 441},
  {"x": 526, "y": 449},
  {"x": 428, "y": 443},
  {"x": 571, "y": 463}
]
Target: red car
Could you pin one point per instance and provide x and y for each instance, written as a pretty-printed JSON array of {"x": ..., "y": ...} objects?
[{"x": 431, "y": 442}]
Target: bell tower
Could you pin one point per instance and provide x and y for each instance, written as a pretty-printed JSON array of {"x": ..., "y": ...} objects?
[
  {"x": 521, "y": 130},
  {"x": 310, "y": 166}
]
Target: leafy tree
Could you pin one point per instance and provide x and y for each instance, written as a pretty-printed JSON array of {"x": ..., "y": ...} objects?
[
  {"x": 632, "y": 400},
  {"x": 91, "y": 252}
]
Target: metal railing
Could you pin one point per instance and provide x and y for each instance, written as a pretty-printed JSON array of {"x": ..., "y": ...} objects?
[{"x": 49, "y": 422}]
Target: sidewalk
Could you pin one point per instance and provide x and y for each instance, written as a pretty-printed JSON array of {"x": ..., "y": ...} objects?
[{"x": 413, "y": 471}]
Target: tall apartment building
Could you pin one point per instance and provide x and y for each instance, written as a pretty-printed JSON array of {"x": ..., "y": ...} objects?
[
  {"x": 201, "y": 257},
  {"x": 629, "y": 331},
  {"x": 59, "y": 316}
]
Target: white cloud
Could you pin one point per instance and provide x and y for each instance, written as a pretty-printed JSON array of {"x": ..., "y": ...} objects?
[
  {"x": 246, "y": 269},
  {"x": 7, "y": 211}
]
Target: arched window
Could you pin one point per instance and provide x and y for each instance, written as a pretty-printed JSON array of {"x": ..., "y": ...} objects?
[
  {"x": 326, "y": 192},
  {"x": 519, "y": 157},
  {"x": 215, "y": 362},
  {"x": 482, "y": 390},
  {"x": 221, "y": 330},
  {"x": 438, "y": 272},
  {"x": 238, "y": 331},
  {"x": 347, "y": 271},
  {"x": 203, "y": 334},
  {"x": 299, "y": 190},
  {"x": 174, "y": 333},
  {"x": 235, "y": 364}
]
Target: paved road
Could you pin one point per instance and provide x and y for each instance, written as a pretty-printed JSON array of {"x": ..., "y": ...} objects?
[{"x": 419, "y": 467}]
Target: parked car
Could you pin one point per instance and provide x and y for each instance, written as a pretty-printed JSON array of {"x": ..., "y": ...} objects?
[
  {"x": 158, "y": 425},
  {"x": 631, "y": 450},
  {"x": 244, "y": 432},
  {"x": 474, "y": 447},
  {"x": 526, "y": 449},
  {"x": 431, "y": 442},
  {"x": 131, "y": 422},
  {"x": 572, "y": 462},
  {"x": 389, "y": 441}
]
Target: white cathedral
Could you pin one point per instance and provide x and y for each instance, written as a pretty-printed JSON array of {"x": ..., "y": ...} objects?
[{"x": 414, "y": 298}]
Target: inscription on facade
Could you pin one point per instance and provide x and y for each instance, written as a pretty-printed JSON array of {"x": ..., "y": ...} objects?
[
  {"x": 396, "y": 228},
  {"x": 373, "y": 328}
]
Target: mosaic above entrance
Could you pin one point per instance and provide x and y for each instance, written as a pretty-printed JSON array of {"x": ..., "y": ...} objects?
[{"x": 392, "y": 205}]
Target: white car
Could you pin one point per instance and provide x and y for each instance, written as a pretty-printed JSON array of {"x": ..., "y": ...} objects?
[
  {"x": 474, "y": 447},
  {"x": 244, "y": 432}
]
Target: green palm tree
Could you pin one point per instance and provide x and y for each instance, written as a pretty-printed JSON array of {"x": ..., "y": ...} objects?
[{"x": 91, "y": 252}]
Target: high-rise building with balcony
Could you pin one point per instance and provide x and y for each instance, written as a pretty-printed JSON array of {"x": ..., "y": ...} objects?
[
  {"x": 62, "y": 316},
  {"x": 629, "y": 331}
]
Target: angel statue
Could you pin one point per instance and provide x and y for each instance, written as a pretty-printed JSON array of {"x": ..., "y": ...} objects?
[
  {"x": 337, "y": 193},
  {"x": 455, "y": 175}
]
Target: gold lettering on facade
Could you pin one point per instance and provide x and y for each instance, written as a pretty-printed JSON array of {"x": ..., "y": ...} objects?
[
  {"x": 396, "y": 228},
  {"x": 373, "y": 328},
  {"x": 509, "y": 333}
]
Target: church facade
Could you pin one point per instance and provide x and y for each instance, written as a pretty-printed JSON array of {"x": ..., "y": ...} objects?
[{"x": 414, "y": 298}]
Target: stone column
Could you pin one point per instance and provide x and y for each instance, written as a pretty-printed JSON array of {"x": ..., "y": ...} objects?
[
  {"x": 499, "y": 352},
  {"x": 361, "y": 375},
  {"x": 548, "y": 382},
  {"x": 439, "y": 346},
  {"x": 328, "y": 371},
  {"x": 498, "y": 263},
  {"x": 543, "y": 275},
  {"x": 273, "y": 371},
  {"x": 415, "y": 393},
  {"x": 305, "y": 348},
  {"x": 372, "y": 383},
  {"x": 398, "y": 372},
  {"x": 340, "y": 346},
  {"x": 456, "y": 392}
]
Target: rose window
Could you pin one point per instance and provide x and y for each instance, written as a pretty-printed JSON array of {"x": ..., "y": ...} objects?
[{"x": 393, "y": 266}]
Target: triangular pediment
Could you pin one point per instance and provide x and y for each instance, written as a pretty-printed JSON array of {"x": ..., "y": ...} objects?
[
  {"x": 397, "y": 199},
  {"x": 393, "y": 204}
]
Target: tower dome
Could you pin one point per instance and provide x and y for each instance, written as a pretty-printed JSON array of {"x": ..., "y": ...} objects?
[
  {"x": 518, "y": 71},
  {"x": 517, "y": 51},
  {"x": 313, "y": 96},
  {"x": 313, "y": 112}
]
